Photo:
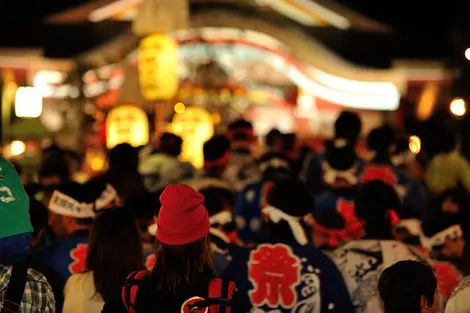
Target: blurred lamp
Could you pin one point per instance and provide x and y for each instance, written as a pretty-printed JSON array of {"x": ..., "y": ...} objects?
[
  {"x": 28, "y": 102},
  {"x": 17, "y": 147},
  {"x": 127, "y": 124},
  {"x": 414, "y": 144},
  {"x": 458, "y": 107},
  {"x": 467, "y": 54}
]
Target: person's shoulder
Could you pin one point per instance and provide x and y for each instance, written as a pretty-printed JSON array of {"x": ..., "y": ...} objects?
[{"x": 36, "y": 277}]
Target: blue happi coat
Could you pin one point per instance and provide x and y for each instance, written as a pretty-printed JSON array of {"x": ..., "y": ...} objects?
[
  {"x": 64, "y": 257},
  {"x": 329, "y": 199},
  {"x": 288, "y": 277},
  {"x": 247, "y": 211}
]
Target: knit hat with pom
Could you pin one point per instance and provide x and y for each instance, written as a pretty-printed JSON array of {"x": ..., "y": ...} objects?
[{"x": 183, "y": 217}]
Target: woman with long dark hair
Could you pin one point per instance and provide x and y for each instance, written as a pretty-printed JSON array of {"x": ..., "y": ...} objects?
[
  {"x": 114, "y": 250},
  {"x": 183, "y": 278}
]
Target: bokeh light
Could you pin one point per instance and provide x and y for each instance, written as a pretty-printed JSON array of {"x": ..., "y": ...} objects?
[
  {"x": 17, "y": 147},
  {"x": 458, "y": 107},
  {"x": 414, "y": 144},
  {"x": 179, "y": 108}
]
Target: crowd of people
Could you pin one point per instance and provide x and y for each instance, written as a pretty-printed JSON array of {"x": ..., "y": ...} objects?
[{"x": 346, "y": 229}]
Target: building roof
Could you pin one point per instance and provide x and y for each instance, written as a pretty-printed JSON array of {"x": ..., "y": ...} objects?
[{"x": 101, "y": 42}]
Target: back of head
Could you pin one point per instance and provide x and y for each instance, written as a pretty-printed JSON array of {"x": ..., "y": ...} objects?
[
  {"x": 273, "y": 137},
  {"x": 275, "y": 166},
  {"x": 289, "y": 201},
  {"x": 123, "y": 158},
  {"x": 445, "y": 140},
  {"x": 291, "y": 196},
  {"x": 216, "y": 151},
  {"x": 340, "y": 154},
  {"x": 171, "y": 144},
  {"x": 114, "y": 250},
  {"x": 240, "y": 130},
  {"x": 54, "y": 165},
  {"x": 404, "y": 285},
  {"x": 217, "y": 199},
  {"x": 348, "y": 125},
  {"x": 376, "y": 204},
  {"x": 380, "y": 140}
]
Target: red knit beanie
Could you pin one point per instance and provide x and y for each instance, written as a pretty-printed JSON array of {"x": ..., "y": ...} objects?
[{"x": 183, "y": 217}]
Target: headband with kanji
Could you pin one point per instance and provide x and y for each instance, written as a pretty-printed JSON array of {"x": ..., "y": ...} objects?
[{"x": 73, "y": 200}]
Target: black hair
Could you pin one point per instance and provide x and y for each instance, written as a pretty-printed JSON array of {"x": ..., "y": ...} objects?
[
  {"x": 171, "y": 144},
  {"x": 217, "y": 199},
  {"x": 271, "y": 173},
  {"x": 342, "y": 157},
  {"x": 444, "y": 140},
  {"x": 55, "y": 165},
  {"x": 114, "y": 250},
  {"x": 375, "y": 200},
  {"x": 237, "y": 125},
  {"x": 348, "y": 125},
  {"x": 123, "y": 158},
  {"x": 380, "y": 140},
  {"x": 288, "y": 142},
  {"x": 273, "y": 137},
  {"x": 215, "y": 147},
  {"x": 293, "y": 197},
  {"x": 330, "y": 219},
  {"x": 179, "y": 267},
  {"x": 404, "y": 284}
]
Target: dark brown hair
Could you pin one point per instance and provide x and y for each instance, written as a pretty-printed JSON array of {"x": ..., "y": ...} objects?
[
  {"x": 182, "y": 265},
  {"x": 114, "y": 250}
]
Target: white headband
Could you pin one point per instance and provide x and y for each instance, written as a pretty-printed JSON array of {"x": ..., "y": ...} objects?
[
  {"x": 453, "y": 232},
  {"x": 276, "y": 215},
  {"x": 221, "y": 218},
  {"x": 413, "y": 226},
  {"x": 200, "y": 184},
  {"x": 275, "y": 163},
  {"x": 331, "y": 175},
  {"x": 65, "y": 205}
]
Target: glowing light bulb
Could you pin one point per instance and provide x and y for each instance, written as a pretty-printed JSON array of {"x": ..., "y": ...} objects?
[
  {"x": 179, "y": 108},
  {"x": 458, "y": 107}
]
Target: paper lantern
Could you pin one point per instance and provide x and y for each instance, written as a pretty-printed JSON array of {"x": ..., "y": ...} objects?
[
  {"x": 127, "y": 124},
  {"x": 158, "y": 67},
  {"x": 194, "y": 126}
]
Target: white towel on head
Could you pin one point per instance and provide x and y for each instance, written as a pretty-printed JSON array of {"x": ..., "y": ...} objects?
[
  {"x": 221, "y": 218},
  {"x": 276, "y": 216}
]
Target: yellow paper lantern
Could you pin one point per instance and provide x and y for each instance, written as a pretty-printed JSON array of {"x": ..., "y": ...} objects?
[
  {"x": 158, "y": 67},
  {"x": 195, "y": 127},
  {"x": 127, "y": 124}
]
